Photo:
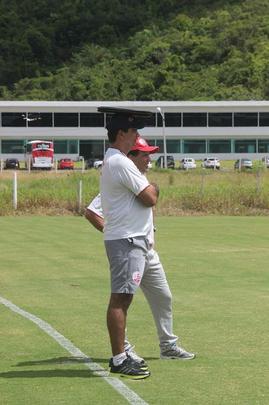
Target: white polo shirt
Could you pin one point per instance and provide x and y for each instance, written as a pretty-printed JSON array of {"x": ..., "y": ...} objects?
[
  {"x": 96, "y": 207},
  {"x": 124, "y": 214}
]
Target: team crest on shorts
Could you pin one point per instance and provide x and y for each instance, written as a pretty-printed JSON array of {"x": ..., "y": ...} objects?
[{"x": 137, "y": 277}]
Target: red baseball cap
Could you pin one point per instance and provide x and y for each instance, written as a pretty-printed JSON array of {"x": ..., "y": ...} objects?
[{"x": 142, "y": 145}]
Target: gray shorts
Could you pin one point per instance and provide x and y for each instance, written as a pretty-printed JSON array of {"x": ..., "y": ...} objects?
[{"x": 128, "y": 259}]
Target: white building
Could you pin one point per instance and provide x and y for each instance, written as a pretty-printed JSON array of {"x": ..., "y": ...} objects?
[{"x": 225, "y": 129}]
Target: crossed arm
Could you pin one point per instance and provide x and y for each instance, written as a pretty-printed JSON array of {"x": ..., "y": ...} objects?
[
  {"x": 95, "y": 220},
  {"x": 149, "y": 196}
]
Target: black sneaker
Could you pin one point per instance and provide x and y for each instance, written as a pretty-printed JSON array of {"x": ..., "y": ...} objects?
[
  {"x": 129, "y": 369},
  {"x": 139, "y": 362},
  {"x": 137, "y": 359}
]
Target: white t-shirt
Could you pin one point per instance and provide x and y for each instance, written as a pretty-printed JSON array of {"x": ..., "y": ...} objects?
[
  {"x": 96, "y": 207},
  {"x": 121, "y": 181}
]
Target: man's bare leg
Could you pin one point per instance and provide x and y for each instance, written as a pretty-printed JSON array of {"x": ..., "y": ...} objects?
[{"x": 116, "y": 320}]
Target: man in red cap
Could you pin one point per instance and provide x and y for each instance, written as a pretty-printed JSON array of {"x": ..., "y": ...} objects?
[{"x": 153, "y": 280}]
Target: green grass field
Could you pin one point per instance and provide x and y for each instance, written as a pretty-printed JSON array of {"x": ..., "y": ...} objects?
[{"x": 55, "y": 268}]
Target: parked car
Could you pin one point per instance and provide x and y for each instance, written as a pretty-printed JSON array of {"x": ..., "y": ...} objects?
[
  {"x": 243, "y": 164},
  {"x": 98, "y": 164},
  {"x": 170, "y": 161},
  {"x": 12, "y": 164},
  {"x": 265, "y": 161},
  {"x": 187, "y": 163},
  {"x": 93, "y": 163},
  {"x": 211, "y": 163},
  {"x": 66, "y": 164}
]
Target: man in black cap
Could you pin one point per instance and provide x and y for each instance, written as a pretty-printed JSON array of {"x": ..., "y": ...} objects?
[{"x": 127, "y": 200}]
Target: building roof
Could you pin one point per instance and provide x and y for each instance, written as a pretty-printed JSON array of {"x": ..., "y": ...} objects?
[{"x": 167, "y": 106}]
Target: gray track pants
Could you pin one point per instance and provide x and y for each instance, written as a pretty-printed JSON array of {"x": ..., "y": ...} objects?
[{"x": 157, "y": 292}]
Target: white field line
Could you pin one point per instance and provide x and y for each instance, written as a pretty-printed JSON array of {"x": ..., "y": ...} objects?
[{"x": 115, "y": 383}]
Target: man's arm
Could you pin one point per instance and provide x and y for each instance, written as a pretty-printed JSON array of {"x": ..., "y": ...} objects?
[
  {"x": 149, "y": 196},
  {"x": 94, "y": 219}
]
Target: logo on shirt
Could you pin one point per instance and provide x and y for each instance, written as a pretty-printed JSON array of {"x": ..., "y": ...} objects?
[{"x": 137, "y": 277}]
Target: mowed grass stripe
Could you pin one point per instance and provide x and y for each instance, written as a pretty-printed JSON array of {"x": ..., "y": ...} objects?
[
  {"x": 78, "y": 355},
  {"x": 218, "y": 272},
  {"x": 36, "y": 370}
]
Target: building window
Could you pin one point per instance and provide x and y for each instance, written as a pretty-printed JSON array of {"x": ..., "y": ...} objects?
[
  {"x": 263, "y": 146},
  {"x": 245, "y": 146},
  {"x": 60, "y": 146},
  {"x": 194, "y": 146},
  {"x": 220, "y": 119},
  {"x": 173, "y": 146},
  {"x": 264, "y": 119},
  {"x": 39, "y": 119},
  {"x": 91, "y": 149},
  {"x": 159, "y": 142},
  {"x": 66, "y": 146},
  {"x": 171, "y": 120},
  {"x": 194, "y": 120},
  {"x": 13, "y": 119},
  {"x": 92, "y": 120},
  {"x": 72, "y": 146},
  {"x": 13, "y": 146},
  {"x": 219, "y": 146},
  {"x": 245, "y": 119},
  {"x": 65, "y": 119},
  {"x": 159, "y": 120}
]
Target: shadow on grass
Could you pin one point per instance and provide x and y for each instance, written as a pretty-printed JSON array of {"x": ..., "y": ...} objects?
[
  {"x": 101, "y": 372},
  {"x": 52, "y": 374},
  {"x": 98, "y": 371},
  {"x": 69, "y": 360},
  {"x": 59, "y": 360}
]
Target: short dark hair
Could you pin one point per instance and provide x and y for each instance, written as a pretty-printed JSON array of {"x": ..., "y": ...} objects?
[{"x": 112, "y": 135}]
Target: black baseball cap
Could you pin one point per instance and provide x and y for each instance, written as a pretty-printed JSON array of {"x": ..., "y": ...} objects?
[{"x": 121, "y": 118}]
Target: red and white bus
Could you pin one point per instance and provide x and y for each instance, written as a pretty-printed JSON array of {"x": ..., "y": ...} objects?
[{"x": 40, "y": 154}]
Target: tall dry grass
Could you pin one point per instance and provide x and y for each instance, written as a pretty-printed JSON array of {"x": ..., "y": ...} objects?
[
  {"x": 212, "y": 192},
  {"x": 47, "y": 193},
  {"x": 199, "y": 192}
]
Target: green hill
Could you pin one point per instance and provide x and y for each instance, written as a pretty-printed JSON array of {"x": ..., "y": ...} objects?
[{"x": 134, "y": 50}]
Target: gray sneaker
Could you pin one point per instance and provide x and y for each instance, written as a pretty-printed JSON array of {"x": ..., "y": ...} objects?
[{"x": 176, "y": 352}]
